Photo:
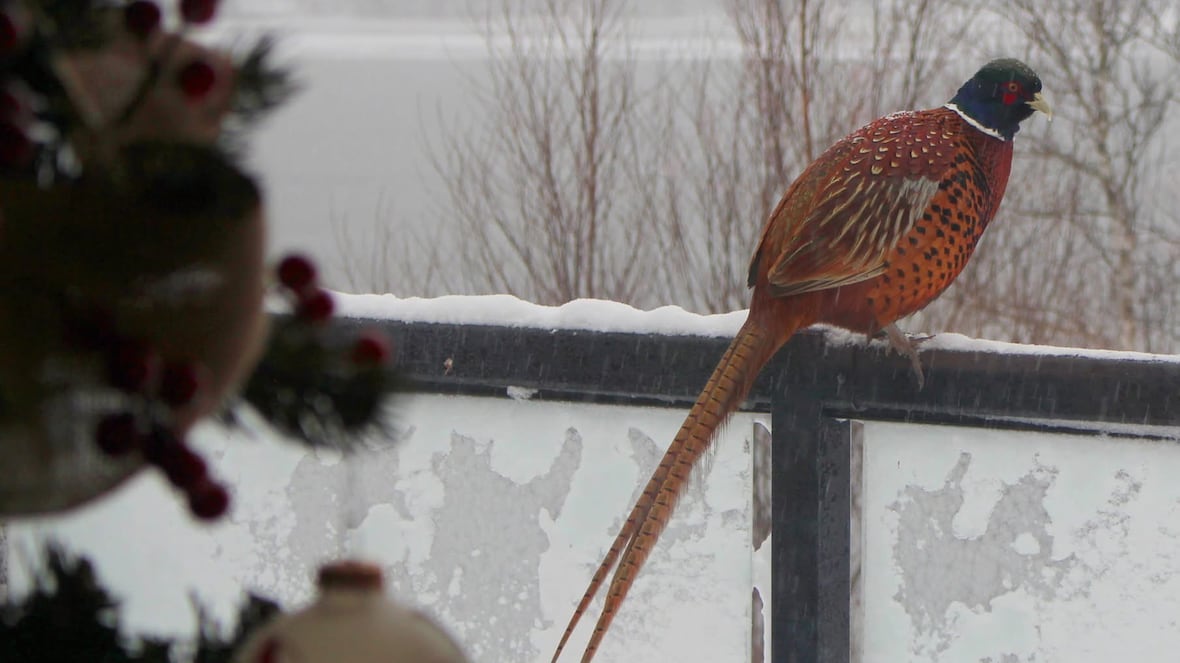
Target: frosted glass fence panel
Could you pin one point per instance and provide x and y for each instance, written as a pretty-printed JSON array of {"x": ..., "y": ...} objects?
[
  {"x": 491, "y": 512},
  {"x": 1009, "y": 546}
]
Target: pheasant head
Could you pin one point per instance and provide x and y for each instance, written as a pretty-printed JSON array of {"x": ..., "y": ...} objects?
[{"x": 999, "y": 97}]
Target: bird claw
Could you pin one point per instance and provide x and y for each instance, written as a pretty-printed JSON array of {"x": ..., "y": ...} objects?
[{"x": 907, "y": 346}]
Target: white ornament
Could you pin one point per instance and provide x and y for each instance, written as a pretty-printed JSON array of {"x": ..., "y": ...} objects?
[{"x": 351, "y": 621}]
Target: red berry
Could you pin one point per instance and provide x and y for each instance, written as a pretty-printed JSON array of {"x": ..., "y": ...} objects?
[
  {"x": 297, "y": 273},
  {"x": 184, "y": 467},
  {"x": 315, "y": 307},
  {"x": 198, "y": 11},
  {"x": 133, "y": 367},
  {"x": 180, "y": 383},
  {"x": 208, "y": 500},
  {"x": 142, "y": 17},
  {"x": 196, "y": 79},
  {"x": 371, "y": 348},
  {"x": 117, "y": 434}
]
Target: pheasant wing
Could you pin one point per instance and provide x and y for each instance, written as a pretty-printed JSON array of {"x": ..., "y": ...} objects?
[{"x": 845, "y": 214}]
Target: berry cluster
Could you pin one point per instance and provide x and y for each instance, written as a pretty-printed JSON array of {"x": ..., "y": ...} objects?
[
  {"x": 34, "y": 92},
  {"x": 142, "y": 17},
  {"x": 157, "y": 389},
  {"x": 315, "y": 383},
  {"x": 313, "y": 305}
]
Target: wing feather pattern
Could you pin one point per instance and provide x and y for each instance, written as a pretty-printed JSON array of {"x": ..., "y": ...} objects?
[{"x": 869, "y": 190}]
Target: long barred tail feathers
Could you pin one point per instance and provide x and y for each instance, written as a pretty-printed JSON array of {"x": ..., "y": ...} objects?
[{"x": 725, "y": 391}]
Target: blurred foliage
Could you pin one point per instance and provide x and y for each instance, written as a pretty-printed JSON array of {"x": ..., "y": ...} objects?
[{"x": 69, "y": 617}]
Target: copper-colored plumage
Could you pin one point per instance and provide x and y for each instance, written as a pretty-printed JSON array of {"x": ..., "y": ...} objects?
[{"x": 872, "y": 231}]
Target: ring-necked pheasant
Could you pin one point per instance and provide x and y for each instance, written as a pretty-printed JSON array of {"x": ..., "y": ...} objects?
[{"x": 872, "y": 231}]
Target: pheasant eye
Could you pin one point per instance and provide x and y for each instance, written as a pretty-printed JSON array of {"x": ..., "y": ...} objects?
[{"x": 1010, "y": 91}]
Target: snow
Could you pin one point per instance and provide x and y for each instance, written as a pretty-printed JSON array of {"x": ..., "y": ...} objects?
[
  {"x": 961, "y": 343},
  {"x": 520, "y": 393},
  {"x": 585, "y": 314},
  {"x": 607, "y": 316}
]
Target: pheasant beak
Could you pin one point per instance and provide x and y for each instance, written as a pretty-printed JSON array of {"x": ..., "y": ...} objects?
[{"x": 1040, "y": 103}]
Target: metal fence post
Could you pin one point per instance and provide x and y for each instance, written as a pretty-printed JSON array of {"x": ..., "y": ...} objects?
[{"x": 811, "y": 501}]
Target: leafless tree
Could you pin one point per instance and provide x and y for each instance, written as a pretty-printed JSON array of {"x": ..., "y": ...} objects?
[
  {"x": 751, "y": 123},
  {"x": 545, "y": 200},
  {"x": 380, "y": 261},
  {"x": 909, "y": 64}
]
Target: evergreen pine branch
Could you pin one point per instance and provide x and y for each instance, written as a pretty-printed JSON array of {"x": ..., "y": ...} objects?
[
  {"x": 212, "y": 647},
  {"x": 70, "y": 616},
  {"x": 262, "y": 87},
  {"x": 306, "y": 388}
]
